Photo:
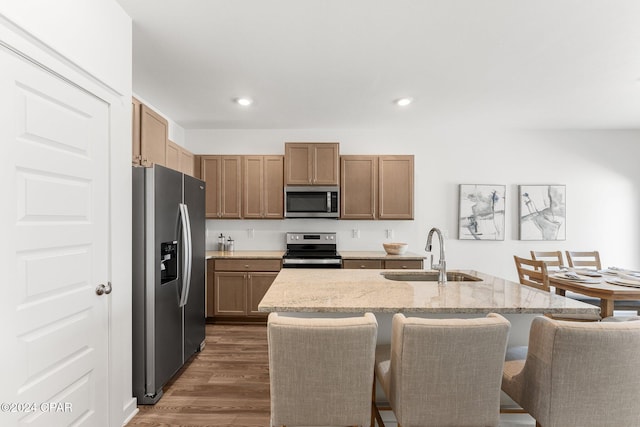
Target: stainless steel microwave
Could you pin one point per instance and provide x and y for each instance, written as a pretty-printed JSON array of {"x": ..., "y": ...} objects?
[{"x": 311, "y": 202}]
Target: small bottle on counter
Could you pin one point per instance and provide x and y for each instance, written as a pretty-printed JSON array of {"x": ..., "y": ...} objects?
[
  {"x": 221, "y": 242},
  {"x": 230, "y": 247}
]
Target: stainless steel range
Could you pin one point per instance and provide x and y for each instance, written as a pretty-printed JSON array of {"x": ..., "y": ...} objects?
[{"x": 311, "y": 250}]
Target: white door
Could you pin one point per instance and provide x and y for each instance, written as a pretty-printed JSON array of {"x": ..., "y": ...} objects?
[{"x": 55, "y": 249}]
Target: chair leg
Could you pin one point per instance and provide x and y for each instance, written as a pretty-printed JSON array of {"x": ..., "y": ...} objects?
[
  {"x": 375, "y": 413},
  {"x": 538, "y": 424}
]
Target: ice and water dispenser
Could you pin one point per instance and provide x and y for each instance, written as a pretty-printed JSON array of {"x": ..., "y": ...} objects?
[{"x": 168, "y": 262}]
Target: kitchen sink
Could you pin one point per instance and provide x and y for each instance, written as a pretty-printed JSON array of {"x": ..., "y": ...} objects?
[{"x": 428, "y": 276}]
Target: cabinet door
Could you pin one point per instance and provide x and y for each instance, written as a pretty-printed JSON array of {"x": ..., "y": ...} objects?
[
  {"x": 326, "y": 166},
  {"x": 358, "y": 187},
  {"x": 154, "y": 130},
  {"x": 297, "y": 163},
  {"x": 136, "y": 154},
  {"x": 173, "y": 156},
  {"x": 231, "y": 187},
  {"x": 253, "y": 184},
  {"x": 395, "y": 187},
  {"x": 273, "y": 189},
  {"x": 258, "y": 285},
  {"x": 230, "y": 294},
  {"x": 187, "y": 161},
  {"x": 210, "y": 172}
]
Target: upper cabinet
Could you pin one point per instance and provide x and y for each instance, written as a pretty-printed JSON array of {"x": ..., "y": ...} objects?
[
  {"x": 179, "y": 158},
  {"x": 395, "y": 187},
  {"x": 311, "y": 163},
  {"x": 223, "y": 175},
  {"x": 376, "y": 187},
  {"x": 149, "y": 136},
  {"x": 358, "y": 187},
  {"x": 136, "y": 155},
  {"x": 263, "y": 195}
]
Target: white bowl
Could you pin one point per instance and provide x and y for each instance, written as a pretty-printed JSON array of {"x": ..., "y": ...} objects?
[{"x": 395, "y": 248}]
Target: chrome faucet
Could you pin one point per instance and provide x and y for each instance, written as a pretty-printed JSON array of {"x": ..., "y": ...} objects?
[{"x": 442, "y": 264}]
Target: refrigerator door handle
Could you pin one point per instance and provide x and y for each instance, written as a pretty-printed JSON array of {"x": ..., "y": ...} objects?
[{"x": 187, "y": 253}]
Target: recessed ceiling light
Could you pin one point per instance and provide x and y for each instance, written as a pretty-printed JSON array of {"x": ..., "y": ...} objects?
[
  {"x": 245, "y": 102},
  {"x": 403, "y": 102}
]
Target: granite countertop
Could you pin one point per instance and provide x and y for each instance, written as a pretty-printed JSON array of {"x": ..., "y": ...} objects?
[
  {"x": 379, "y": 255},
  {"x": 359, "y": 291},
  {"x": 279, "y": 253},
  {"x": 244, "y": 254}
]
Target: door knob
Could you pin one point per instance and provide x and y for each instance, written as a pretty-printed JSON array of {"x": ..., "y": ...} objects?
[{"x": 102, "y": 289}]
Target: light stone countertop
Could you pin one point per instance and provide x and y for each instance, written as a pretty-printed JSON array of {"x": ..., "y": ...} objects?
[
  {"x": 359, "y": 291},
  {"x": 379, "y": 255},
  {"x": 244, "y": 254}
]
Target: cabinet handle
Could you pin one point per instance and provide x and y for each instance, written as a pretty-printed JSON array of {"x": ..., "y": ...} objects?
[
  {"x": 246, "y": 266},
  {"x": 404, "y": 266},
  {"x": 362, "y": 266}
]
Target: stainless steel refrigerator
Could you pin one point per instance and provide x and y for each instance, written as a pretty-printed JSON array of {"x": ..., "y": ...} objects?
[{"x": 168, "y": 276}]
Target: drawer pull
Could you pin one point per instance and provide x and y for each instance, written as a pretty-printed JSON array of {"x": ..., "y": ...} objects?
[{"x": 246, "y": 266}]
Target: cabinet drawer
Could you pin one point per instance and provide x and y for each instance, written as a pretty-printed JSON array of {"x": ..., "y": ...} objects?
[
  {"x": 403, "y": 264},
  {"x": 248, "y": 264},
  {"x": 362, "y": 263}
]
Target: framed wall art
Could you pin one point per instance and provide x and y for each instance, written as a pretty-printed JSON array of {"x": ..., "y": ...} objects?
[
  {"x": 481, "y": 212},
  {"x": 542, "y": 212}
]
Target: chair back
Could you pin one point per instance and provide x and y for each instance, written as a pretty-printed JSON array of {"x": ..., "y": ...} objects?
[
  {"x": 553, "y": 259},
  {"x": 321, "y": 370},
  {"x": 447, "y": 372},
  {"x": 589, "y": 259},
  {"x": 532, "y": 273},
  {"x": 582, "y": 373}
]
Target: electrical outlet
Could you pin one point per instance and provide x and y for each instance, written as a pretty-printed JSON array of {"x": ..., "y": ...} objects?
[
  {"x": 389, "y": 233},
  {"x": 355, "y": 233},
  {"x": 250, "y": 233}
]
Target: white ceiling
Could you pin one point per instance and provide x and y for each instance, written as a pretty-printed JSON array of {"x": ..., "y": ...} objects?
[{"x": 335, "y": 64}]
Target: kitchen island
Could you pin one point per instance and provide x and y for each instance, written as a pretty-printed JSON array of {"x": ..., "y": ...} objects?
[{"x": 337, "y": 293}]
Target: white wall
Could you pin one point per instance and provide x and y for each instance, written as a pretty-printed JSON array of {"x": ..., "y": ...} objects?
[
  {"x": 93, "y": 35},
  {"x": 599, "y": 169}
]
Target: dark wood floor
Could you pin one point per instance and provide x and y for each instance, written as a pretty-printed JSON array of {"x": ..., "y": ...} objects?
[{"x": 227, "y": 384}]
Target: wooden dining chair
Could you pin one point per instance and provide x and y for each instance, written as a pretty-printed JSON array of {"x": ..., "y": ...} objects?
[
  {"x": 588, "y": 259},
  {"x": 553, "y": 259},
  {"x": 534, "y": 273}
]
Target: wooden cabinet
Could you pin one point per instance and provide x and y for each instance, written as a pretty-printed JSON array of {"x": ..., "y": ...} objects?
[
  {"x": 149, "y": 133},
  {"x": 399, "y": 264},
  {"x": 263, "y": 195},
  {"x": 376, "y": 187},
  {"x": 358, "y": 187},
  {"x": 311, "y": 163},
  {"x": 136, "y": 154},
  {"x": 179, "y": 158},
  {"x": 395, "y": 187},
  {"x": 236, "y": 286},
  {"x": 395, "y": 264},
  {"x": 375, "y": 264},
  {"x": 223, "y": 175}
]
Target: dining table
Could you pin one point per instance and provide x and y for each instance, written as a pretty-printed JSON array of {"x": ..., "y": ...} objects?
[{"x": 608, "y": 285}]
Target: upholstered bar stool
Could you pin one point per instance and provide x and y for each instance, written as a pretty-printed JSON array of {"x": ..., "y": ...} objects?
[
  {"x": 443, "y": 372},
  {"x": 321, "y": 370},
  {"x": 583, "y": 374}
]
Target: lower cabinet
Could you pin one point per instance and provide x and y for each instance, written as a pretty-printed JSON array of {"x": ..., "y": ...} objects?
[
  {"x": 235, "y": 287},
  {"x": 399, "y": 264}
]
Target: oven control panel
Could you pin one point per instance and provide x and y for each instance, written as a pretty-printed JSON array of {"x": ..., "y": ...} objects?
[{"x": 313, "y": 238}]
